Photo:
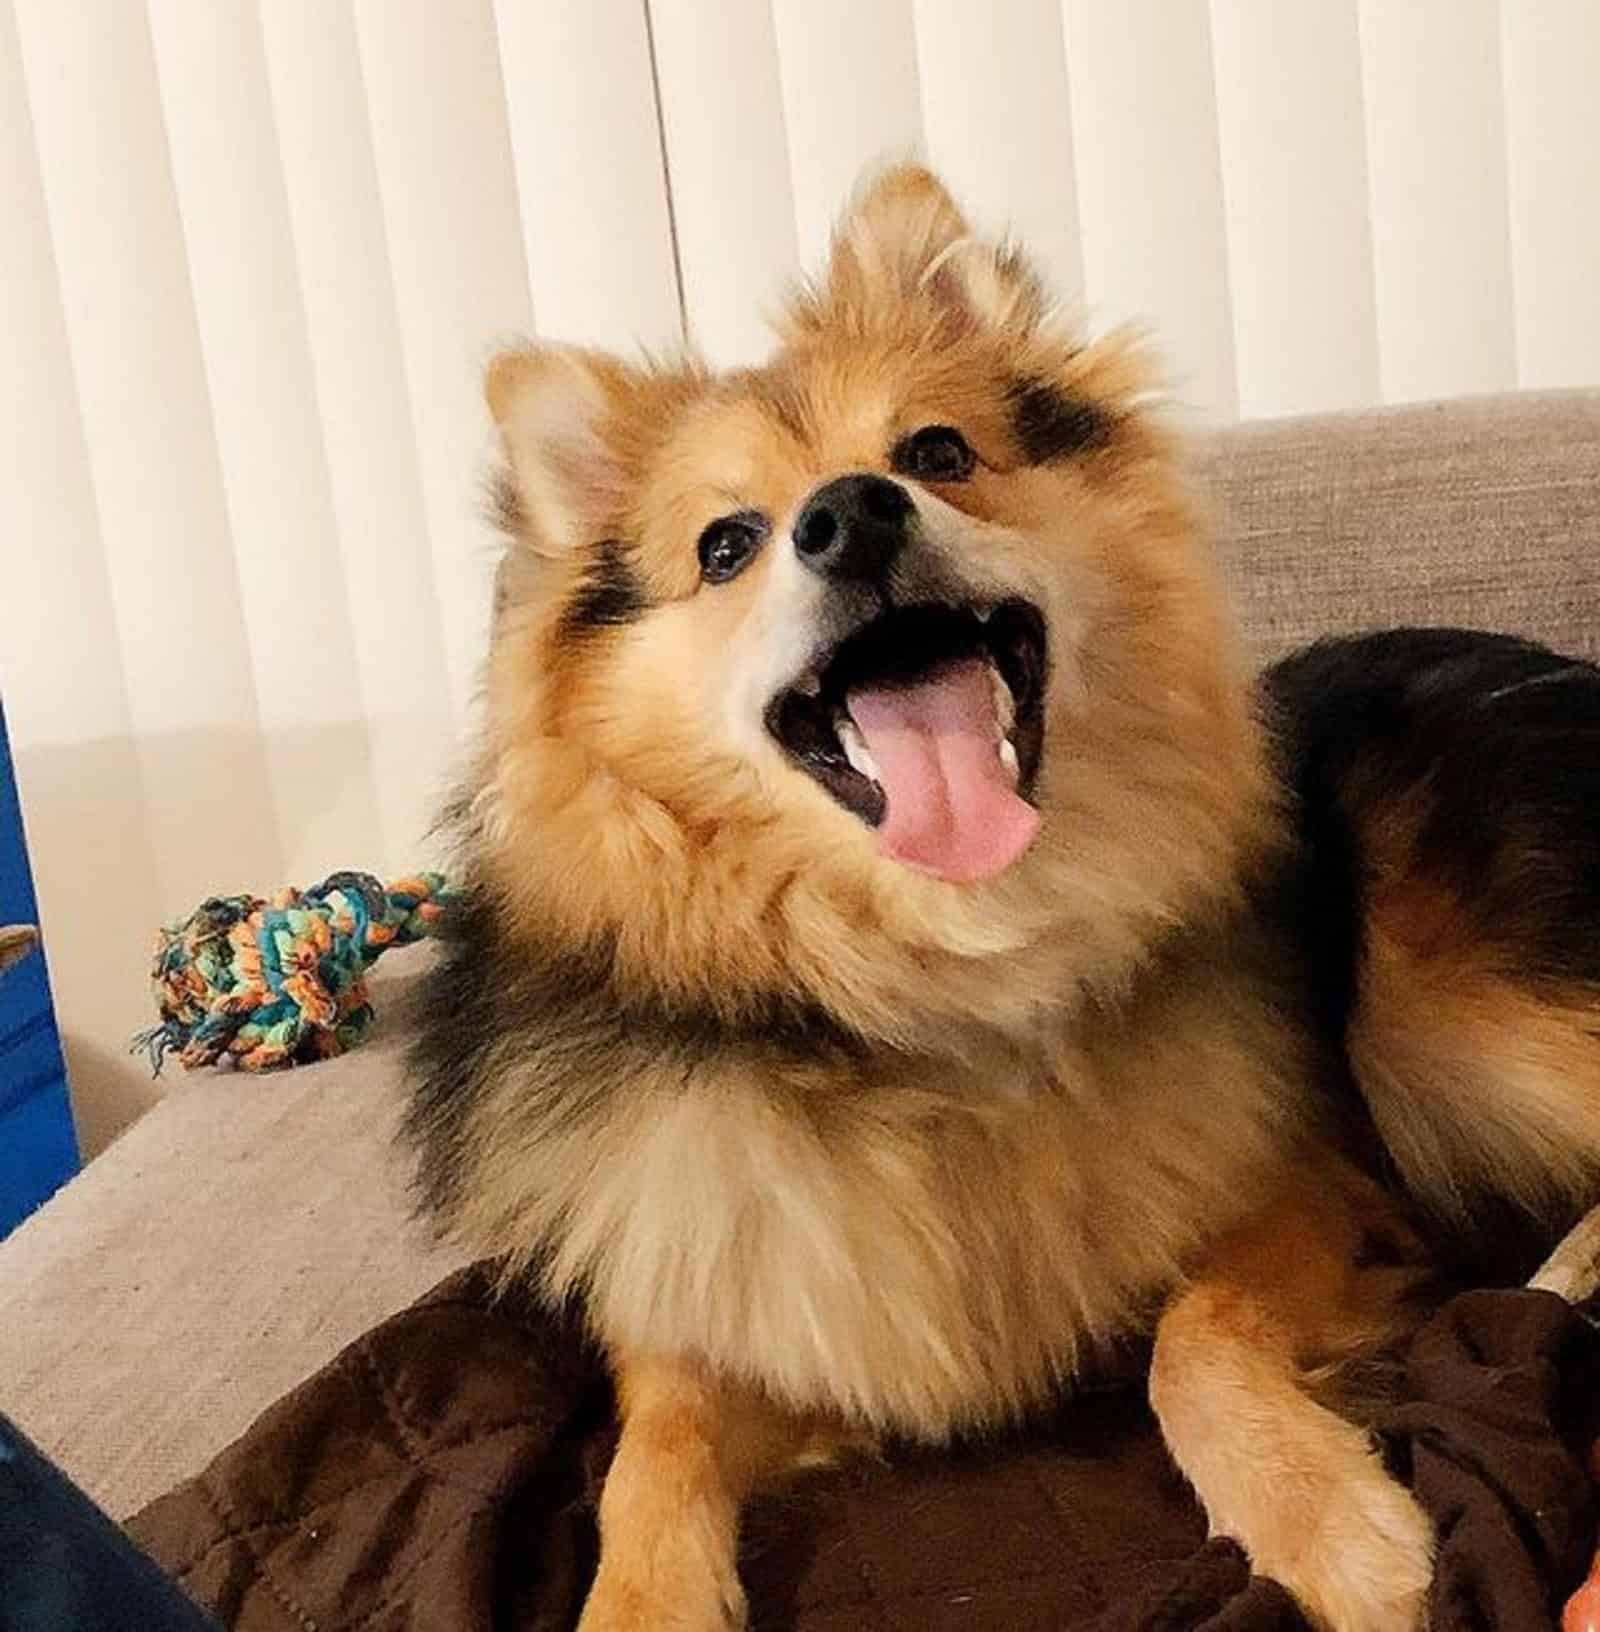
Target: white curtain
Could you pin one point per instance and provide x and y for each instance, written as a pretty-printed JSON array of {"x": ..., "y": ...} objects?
[{"x": 253, "y": 254}]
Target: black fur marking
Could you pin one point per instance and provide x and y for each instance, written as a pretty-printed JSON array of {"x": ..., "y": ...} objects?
[
  {"x": 575, "y": 1039},
  {"x": 1310, "y": 897},
  {"x": 611, "y": 594},
  {"x": 1382, "y": 1249},
  {"x": 1051, "y": 425},
  {"x": 1496, "y": 741}
]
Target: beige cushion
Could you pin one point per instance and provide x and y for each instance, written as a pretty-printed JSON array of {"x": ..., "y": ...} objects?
[
  {"x": 245, "y": 1229},
  {"x": 234, "y": 1239},
  {"x": 1483, "y": 513}
]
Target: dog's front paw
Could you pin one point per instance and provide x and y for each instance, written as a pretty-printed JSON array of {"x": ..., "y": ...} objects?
[
  {"x": 673, "y": 1595},
  {"x": 1365, "y": 1563}
]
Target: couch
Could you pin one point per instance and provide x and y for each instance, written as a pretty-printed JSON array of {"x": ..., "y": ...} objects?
[{"x": 240, "y": 1234}]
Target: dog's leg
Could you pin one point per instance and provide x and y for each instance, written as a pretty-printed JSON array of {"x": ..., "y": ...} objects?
[
  {"x": 692, "y": 1449},
  {"x": 1312, "y": 1286}
]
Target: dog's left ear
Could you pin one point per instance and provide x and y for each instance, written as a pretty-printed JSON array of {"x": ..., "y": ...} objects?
[{"x": 904, "y": 241}]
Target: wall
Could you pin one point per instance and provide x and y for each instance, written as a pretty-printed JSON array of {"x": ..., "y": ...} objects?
[{"x": 254, "y": 255}]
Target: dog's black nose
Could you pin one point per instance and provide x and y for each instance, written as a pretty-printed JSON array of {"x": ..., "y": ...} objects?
[{"x": 853, "y": 526}]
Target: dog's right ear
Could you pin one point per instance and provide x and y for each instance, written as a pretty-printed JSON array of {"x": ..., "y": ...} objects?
[
  {"x": 558, "y": 410},
  {"x": 904, "y": 240},
  {"x": 901, "y": 223}
]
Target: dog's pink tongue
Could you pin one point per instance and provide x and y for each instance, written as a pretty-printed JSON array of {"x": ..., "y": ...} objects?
[{"x": 952, "y": 810}]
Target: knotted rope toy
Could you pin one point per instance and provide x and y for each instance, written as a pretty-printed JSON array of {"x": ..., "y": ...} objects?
[{"x": 261, "y": 983}]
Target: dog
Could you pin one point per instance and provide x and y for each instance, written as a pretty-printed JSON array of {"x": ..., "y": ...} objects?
[{"x": 905, "y": 952}]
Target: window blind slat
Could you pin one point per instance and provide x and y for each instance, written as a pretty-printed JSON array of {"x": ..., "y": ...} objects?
[
  {"x": 727, "y": 155},
  {"x": 1440, "y": 229},
  {"x": 442, "y": 148},
  {"x": 364, "y": 415},
  {"x": 1294, "y": 167},
  {"x": 591, "y": 180},
  {"x": 1550, "y": 53},
  {"x": 1155, "y": 246},
  {"x": 295, "y": 615}
]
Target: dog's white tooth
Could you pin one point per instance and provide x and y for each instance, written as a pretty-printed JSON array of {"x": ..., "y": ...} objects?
[
  {"x": 985, "y": 613},
  {"x": 855, "y": 747},
  {"x": 1008, "y": 758},
  {"x": 1005, "y": 707}
]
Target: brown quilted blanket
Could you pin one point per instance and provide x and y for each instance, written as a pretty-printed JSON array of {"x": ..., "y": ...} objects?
[{"x": 439, "y": 1477}]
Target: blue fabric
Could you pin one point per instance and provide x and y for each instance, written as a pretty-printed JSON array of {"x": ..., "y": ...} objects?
[
  {"x": 38, "y": 1146},
  {"x": 65, "y": 1567},
  {"x": 38, "y": 1153}
]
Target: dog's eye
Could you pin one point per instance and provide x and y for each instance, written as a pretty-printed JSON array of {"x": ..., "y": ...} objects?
[
  {"x": 936, "y": 453},
  {"x": 727, "y": 545}
]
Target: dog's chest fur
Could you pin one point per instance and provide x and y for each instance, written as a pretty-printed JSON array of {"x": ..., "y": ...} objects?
[{"x": 920, "y": 1244}]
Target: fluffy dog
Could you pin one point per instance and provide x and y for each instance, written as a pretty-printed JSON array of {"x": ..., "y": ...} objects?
[{"x": 905, "y": 952}]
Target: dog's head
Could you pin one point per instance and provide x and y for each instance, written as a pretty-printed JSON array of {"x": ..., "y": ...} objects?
[{"x": 844, "y": 676}]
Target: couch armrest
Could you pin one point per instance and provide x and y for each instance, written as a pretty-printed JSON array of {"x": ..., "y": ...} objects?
[{"x": 231, "y": 1242}]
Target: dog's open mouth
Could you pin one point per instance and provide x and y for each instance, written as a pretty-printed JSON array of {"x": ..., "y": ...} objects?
[{"x": 928, "y": 723}]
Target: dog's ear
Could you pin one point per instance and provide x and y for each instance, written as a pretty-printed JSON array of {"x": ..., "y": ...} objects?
[
  {"x": 558, "y": 409},
  {"x": 903, "y": 241}
]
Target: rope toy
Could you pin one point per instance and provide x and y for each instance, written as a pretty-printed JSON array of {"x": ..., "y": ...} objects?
[{"x": 260, "y": 984}]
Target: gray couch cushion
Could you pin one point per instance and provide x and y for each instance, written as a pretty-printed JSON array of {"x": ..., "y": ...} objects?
[{"x": 1483, "y": 512}]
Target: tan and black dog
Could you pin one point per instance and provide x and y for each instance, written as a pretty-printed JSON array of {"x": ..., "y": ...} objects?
[{"x": 905, "y": 951}]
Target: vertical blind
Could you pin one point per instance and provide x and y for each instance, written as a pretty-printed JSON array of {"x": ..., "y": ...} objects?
[{"x": 255, "y": 251}]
